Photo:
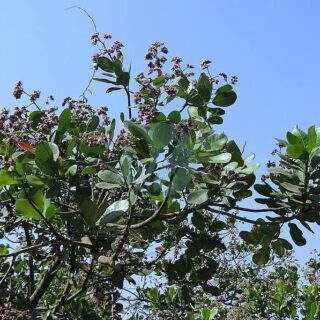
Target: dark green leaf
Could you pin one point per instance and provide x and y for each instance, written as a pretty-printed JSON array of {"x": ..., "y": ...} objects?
[
  {"x": 174, "y": 116},
  {"x": 204, "y": 87},
  {"x": 225, "y": 99},
  {"x": 35, "y": 118},
  {"x": 106, "y": 64},
  {"x": 138, "y": 132},
  {"x": 111, "y": 89},
  {"x": 263, "y": 189},
  {"x": 296, "y": 235},
  {"x": 261, "y": 256},
  {"x": 224, "y": 89},
  {"x": 123, "y": 78},
  {"x": 93, "y": 123},
  {"x": 64, "y": 120}
]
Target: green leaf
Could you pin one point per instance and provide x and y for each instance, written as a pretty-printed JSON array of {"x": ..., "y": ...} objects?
[
  {"x": 225, "y": 99},
  {"x": 159, "y": 81},
  {"x": 107, "y": 185},
  {"x": 72, "y": 170},
  {"x": 37, "y": 180},
  {"x": 105, "y": 80},
  {"x": 296, "y": 235},
  {"x": 181, "y": 179},
  {"x": 216, "y": 142},
  {"x": 64, "y": 120},
  {"x": 35, "y": 118},
  {"x": 49, "y": 210},
  {"x": 91, "y": 151},
  {"x": 125, "y": 162},
  {"x": 3, "y": 249},
  {"x": 204, "y": 87},
  {"x": 113, "y": 212},
  {"x": 111, "y": 89},
  {"x": 46, "y": 155},
  {"x": 312, "y": 138},
  {"x": 174, "y": 116},
  {"x": 47, "y": 151},
  {"x": 205, "y": 313},
  {"x": 198, "y": 221},
  {"x": 138, "y": 132},
  {"x": 295, "y": 150},
  {"x": 195, "y": 99},
  {"x": 89, "y": 170},
  {"x": 110, "y": 177},
  {"x": 221, "y": 158},
  {"x": 213, "y": 290},
  {"x": 93, "y": 123},
  {"x": 155, "y": 189},
  {"x": 249, "y": 237},
  {"x": 123, "y": 78},
  {"x": 89, "y": 211},
  {"x": 286, "y": 244},
  {"x": 7, "y": 178},
  {"x": 261, "y": 257},
  {"x": 293, "y": 139},
  {"x": 25, "y": 208},
  {"x": 278, "y": 248},
  {"x": 194, "y": 113},
  {"x": 224, "y": 89},
  {"x": 291, "y": 187},
  {"x": 235, "y": 151},
  {"x": 197, "y": 197},
  {"x": 263, "y": 189},
  {"x": 158, "y": 117},
  {"x": 161, "y": 134},
  {"x": 106, "y": 64},
  {"x": 118, "y": 66}
]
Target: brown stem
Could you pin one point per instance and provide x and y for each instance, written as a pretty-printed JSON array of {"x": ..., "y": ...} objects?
[
  {"x": 126, "y": 89},
  {"x": 157, "y": 212},
  {"x": 45, "y": 281},
  {"x": 30, "y": 258}
]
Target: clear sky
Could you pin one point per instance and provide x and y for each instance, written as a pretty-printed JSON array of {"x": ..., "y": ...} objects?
[{"x": 272, "y": 46}]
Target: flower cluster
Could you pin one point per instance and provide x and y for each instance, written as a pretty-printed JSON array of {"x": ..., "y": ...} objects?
[
  {"x": 81, "y": 110},
  {"x": 18, "y": 90},
  {"x": 103, "y": 112},
  {"x": 146, "y": 114},
  {"x": 156, "y": 54},
  {"x": 186, "y": 126}
]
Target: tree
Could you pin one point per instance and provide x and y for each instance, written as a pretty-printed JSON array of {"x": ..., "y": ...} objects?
[{"x": 141, "y": 222}]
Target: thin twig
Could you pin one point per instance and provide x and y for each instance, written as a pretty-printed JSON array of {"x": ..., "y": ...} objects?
[
  {"x": 27, "y": 249},
  {"x": 8, "y": 271}
]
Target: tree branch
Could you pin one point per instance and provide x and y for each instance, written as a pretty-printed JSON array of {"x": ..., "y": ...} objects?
[
  {"x": 27, "y": 249},
  {"x": 30, "y": 259},
  {"x": 46, "y": 281},
  {"x": 8, "y": 271}
]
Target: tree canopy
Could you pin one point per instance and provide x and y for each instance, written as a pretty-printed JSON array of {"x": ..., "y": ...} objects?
[{"x": 140, "y": 217}]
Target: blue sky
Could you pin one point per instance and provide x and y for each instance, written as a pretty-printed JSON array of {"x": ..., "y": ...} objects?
[{"x": 272, "y": 46}]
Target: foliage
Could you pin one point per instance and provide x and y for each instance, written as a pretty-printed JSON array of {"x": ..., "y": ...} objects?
[{"x": 89, "y": 209}]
